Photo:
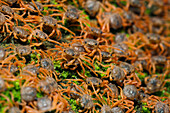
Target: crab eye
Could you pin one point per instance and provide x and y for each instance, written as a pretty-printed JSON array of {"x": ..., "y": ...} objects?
[
  {"x": 17, "y": 32},
  {"x": 45, "y": 37},
  {"x": 101, "y": 32},
  {"x": 67, "y": 16},
  {"x": 64, "y": 50},
  {"x": 91, "y": 29},
  {"x": 73, "y": 54},
  {"x": 36, "y": 33},
  {"x": 45, "y": 22},
  {"x": 77, "y": 17},
  {"x": 3, "y": 9},
  {"x": 99, "y": 83},
  {"x": 88, "y": 82},
  {"x": 147, "y": 80},
  {"x": 54, "y": 24},
  {"x": 27, "y": 35},
  {"x": 95, "y": 43},
  {"x": 85, "y": 42}
]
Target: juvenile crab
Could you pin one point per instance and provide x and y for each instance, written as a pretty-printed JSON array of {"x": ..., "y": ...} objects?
[
  {"x": 21, "y": 51},
  {"x": 30, "y": 70},
  {"x": 19, "y": 32},
  {"x": 10, "y": 14},
  {"x": 108, "y": 104},
  {"x": 109, "y": 20},
  {"x": 82, "y": 96},
  {"x": 4, "y": 21},
  {"x": 161, "y": 107},
  {"x": 155, "y": 83},
  {"x": 41, "y": 36},
  {"x": 73, "y": 58},
  {"x": 156, "y": 42},
  {"x": 49, "y": 85},
  {"x": 133, "y": 3},
  {"x": 92, "y": 7},
  {"x": 33, "y": 7},
  {"x": 115, "y": 73},
  {"x": 96, "y": 33},
  {"x": 156, "y": 61},
  {"x": 106, "y": 57},
  {"x": 111, "y": 90},
  {"x": 93, "y": 48},
  {"x": 47, "y": 66},
  {"x": 128, "y": 67},
  {"x": 120, "y": 37},
  {"x": 121, "y": 50},
  {"x": 44, "y": 103},
  {"x": 28, "y": 94},
  {"x": 72, "y": 14},
  {"x": 48, "y": 22},
  {"x": 130, "y": 91}
]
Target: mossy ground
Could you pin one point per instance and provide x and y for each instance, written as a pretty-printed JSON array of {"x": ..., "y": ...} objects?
[{"x": 66, "y": 74}]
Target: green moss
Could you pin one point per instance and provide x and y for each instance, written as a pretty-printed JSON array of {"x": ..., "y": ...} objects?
[{"x": 74, "y": 105}]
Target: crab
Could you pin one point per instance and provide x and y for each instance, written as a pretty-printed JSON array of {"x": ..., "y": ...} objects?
[
  {"x": 28, "y": 94},
  {"x": 73, "y": 15},
  {"x": 10, "y": 14},
  {"x": 133, "y": 3},
  {"x": 49, "y": 22},
  {"x": 108, "y": 104},
  {"x": 73, "y": 58},
  {"x": 42, "y": 36},
  {"x": 19, "y": 32},
  {"x": 155, "y": 41},
  {"x": 115, "y": 73},
  {"x": 47, "y": 66},
  {"x": 44, "y": 103},
  {"x": 30, "y": 70},
  {"x": 4, "y": 21},
  {"x": 49, "y": 85},
  {"x": 161, "y": 107},
  {"x": 109, "y": 20},
  {"x": 96, "y": 33},
  {"x": 21, "y": 51},
  {"x": 92, "y": 46},
  {"x": 106, "y": 57},
  {"x": 155, "y": 83},
  {"x": 92, "y": 7},
  {"x": 82, "y": 96},
  {"x": 157, "y": 60},
  {"x": 111, "y": 90},
  {"x": 33, "y": 7},
  {"x": 128, "y": 67},
  {"x": 131, "y": 92}
]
